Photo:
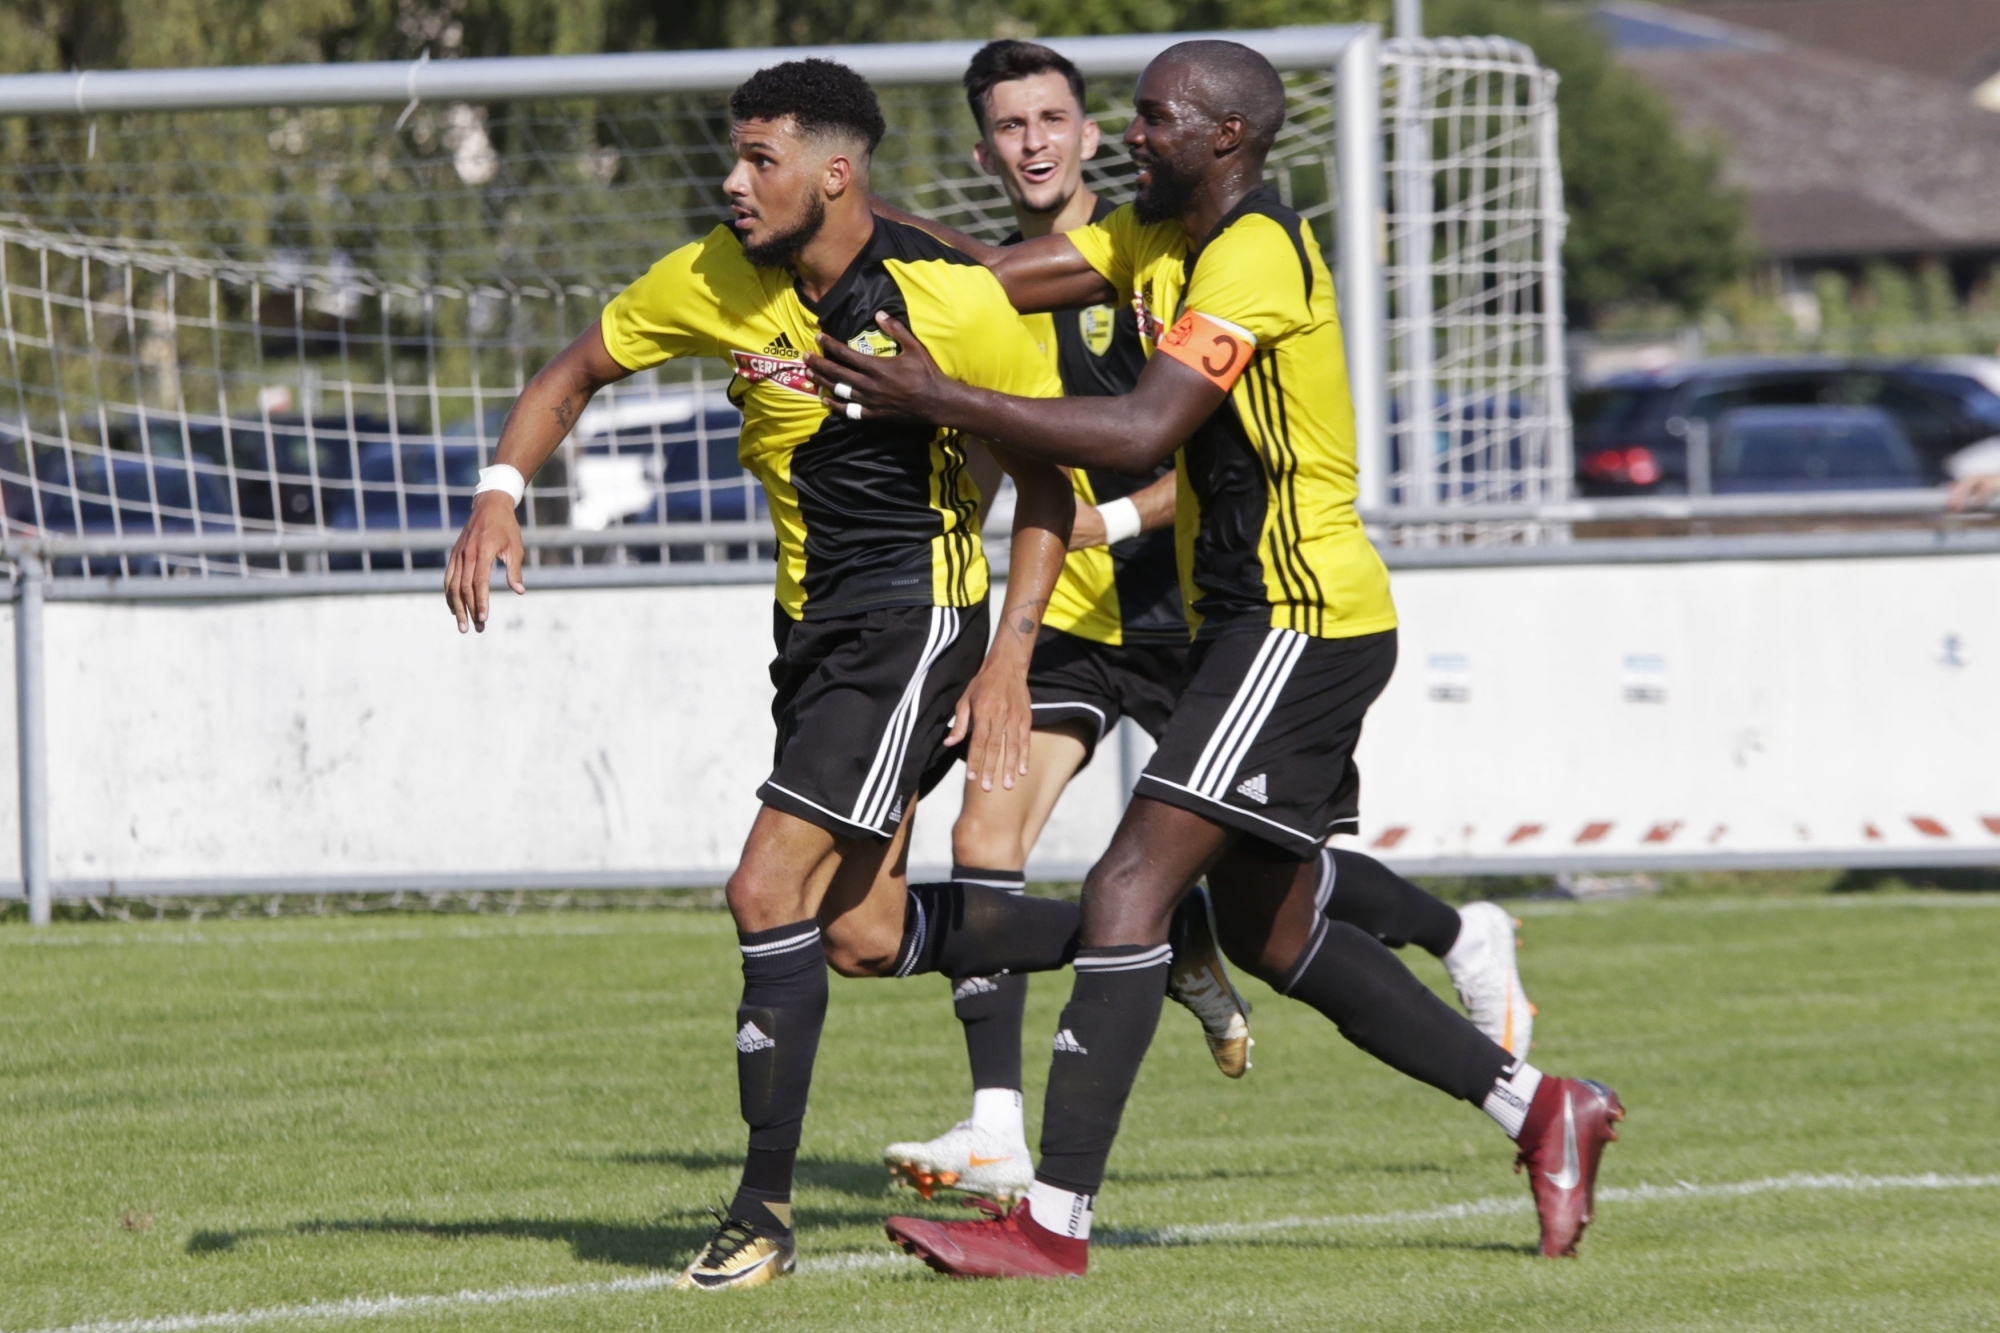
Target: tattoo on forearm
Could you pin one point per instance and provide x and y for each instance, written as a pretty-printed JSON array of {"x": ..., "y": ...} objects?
[
  {"x": 565, "y": 414},
  {"x": 1030, "y": 618}
]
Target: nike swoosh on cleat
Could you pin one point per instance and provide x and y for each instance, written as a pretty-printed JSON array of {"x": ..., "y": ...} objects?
[
  {"x": 974, "y": 1159},
  {"x": 1572, "y": 1171}
]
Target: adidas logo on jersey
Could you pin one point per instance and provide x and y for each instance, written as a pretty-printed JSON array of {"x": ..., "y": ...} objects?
[
  {"x": 1254, "y": 789},
  {"x": 752, "y": 1039},
  {"x": 1067, "y": 1043},
  {"x": 972, "y": 986},
  {"x": 780, "y": 346}
]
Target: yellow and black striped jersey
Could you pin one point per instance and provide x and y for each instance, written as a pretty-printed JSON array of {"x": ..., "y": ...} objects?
[
  {"x": 1129, "y": 592},
  {"x": 868, "y": 514},
  {"x": 1266, "y": 525}
]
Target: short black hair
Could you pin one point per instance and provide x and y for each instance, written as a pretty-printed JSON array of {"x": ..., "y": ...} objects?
[
  {"x": 1007, "y": 60},
  {"x": 1228, "y": 78},
  {"x": 822, "y": 96}
]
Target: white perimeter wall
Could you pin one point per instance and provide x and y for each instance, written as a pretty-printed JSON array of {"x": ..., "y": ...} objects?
[{"x": 1836, "y": 707}]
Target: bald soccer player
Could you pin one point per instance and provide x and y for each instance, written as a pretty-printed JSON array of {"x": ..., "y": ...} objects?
[{"x": 1295, "y": 638}]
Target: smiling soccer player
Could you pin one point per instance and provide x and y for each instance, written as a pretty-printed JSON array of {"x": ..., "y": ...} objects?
[{"x": 1295, "y": 638}]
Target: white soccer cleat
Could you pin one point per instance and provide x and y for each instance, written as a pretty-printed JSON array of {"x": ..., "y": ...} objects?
[
  {"x": 967, "y": 1157},
  {"x": 1482, "y": 968}
]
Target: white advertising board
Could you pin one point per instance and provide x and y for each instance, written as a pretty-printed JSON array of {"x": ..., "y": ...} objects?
[{"x": 1836, "y": 711}]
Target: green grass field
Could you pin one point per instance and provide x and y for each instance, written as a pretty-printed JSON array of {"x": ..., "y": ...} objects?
[{"x": 514, "y": 1123}]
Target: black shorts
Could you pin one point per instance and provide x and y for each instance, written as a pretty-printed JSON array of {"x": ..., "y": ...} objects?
[
  {"x": 863, "y": 706},
  {"x": 1264, "y": 737},
  {"x": 1073, "y": 679}
]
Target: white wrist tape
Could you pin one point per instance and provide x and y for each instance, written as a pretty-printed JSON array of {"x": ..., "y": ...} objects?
[
  {"x": 502, "y": 477},
  {"x": 1121, "y": 520}
]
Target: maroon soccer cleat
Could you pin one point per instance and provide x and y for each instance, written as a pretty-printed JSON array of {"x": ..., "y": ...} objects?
[
  {"x": 1561, "y": 1141},
  {"x": 1001, "y": 1244}
]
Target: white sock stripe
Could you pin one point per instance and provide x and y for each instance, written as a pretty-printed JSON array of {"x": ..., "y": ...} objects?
[
  {"x": 804, "y": 940},
  {"x": 871, "y": 806},
  {"x": 1229, "y": 715},
  {"x": 1306, "y": 955},
  {"x": 1260, "y": 712},
  {"x": 915, "y": 946},
  {"x": 1004, "y": 885},
  {"x": 1133, "y": 962},
  {"x": 1323, "y": 893}
]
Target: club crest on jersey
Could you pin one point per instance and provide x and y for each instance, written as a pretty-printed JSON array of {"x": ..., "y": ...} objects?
[
  {"x": 1097, "y": 324},
  {"x": 1150, "y": 328},
  {"x": 779, "y": 362},
  {"x": 871, "y": 341}
]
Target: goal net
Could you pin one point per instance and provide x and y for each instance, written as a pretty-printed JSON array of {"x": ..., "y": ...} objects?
[{"x": 285, "y": 319}]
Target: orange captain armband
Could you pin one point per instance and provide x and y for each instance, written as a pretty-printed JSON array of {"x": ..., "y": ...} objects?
[{"x": 1215, "y": 347}]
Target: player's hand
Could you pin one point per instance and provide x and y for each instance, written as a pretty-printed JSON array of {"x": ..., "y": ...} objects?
[
  {"x": 908, "y": 385},
  {"x": 492, "y": 533},
  {"x": 1088, "y": 528},
  {"x": 996, "y": 713},
  {"x": 1973, "y": 492}
]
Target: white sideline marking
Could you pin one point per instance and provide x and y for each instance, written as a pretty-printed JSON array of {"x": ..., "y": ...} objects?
[
  {"x": 377, "y": 1307},
  {"x": 1521, "y": 1203}
]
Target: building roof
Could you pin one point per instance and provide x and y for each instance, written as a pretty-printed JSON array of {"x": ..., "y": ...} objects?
[
  {"x": 1957, "y": 41},
  {"x": 1838, "y": 156}
]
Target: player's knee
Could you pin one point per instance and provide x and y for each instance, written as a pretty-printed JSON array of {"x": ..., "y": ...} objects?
[
  {"x": 759, "y": 904},
  {"x": 1125, "y": 903},
  {"x": 980, "y": 838},
  {"x": 862, "y": 953}
]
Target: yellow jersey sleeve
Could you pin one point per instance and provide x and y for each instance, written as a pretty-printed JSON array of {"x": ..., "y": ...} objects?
[
  {"x": 962, "y": 316},
  {"x": 1111, "y": 246},
  {"x": 1252, "y": 276},
  {"x": 676, "y": 309}
]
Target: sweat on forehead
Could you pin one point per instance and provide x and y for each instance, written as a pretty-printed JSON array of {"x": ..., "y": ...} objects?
[{"x": 1226, "y": 78}]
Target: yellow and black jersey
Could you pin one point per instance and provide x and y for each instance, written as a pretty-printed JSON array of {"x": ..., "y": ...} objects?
[
  {"x": 868, "y": 514},
  {"x": 1130, "y": 592},
  {"x": 1266, "y": 526}
]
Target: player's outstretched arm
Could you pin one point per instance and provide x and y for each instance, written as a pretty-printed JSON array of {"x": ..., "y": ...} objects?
[
  {"x": 995, "y": 711},
  {"x": 1129, "y": 433},
  {"x": 1046, "y": 273},
  {"x": 1152, "y": 507},
  {"x": 542, "y": 416}
]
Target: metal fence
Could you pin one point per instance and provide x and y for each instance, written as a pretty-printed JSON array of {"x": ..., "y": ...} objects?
[
  {"x": 303, "y": 299},
  {"x": 266, "y": 301}
]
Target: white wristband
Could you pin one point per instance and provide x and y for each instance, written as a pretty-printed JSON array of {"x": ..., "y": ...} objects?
[
  {"x": 1121, "y": 520},
  {"x": 502, "y": 477}
]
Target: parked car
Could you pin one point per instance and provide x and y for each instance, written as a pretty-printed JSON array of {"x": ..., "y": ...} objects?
[
  {"x": 1813, "y": 449},
  {"x": 1632, "y": 430},
  {"x": 666, "y": 457}
]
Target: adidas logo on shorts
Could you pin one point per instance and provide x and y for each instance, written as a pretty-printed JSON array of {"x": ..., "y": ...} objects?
[
  {"x": 972, "y": 986},
  {"x": 752, "y": 1039},
  {"x": 1066, "y": 1042},
  {"x": 1254, "y": 789}
]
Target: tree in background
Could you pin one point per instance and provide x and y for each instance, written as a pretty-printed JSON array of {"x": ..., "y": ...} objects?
[{"x": 1649, "y": 219}]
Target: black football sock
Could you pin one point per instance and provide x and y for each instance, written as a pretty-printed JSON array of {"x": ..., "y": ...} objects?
[
  {"x": 969, "y": 930},
  {"x": 1100, "y": 1040},
  {"x": 1363, "y": 892},
  {"x": 777, "y": 1036},
  {"x": 1348, "y": 975},
  {"x": 991, "y": 1008}
]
